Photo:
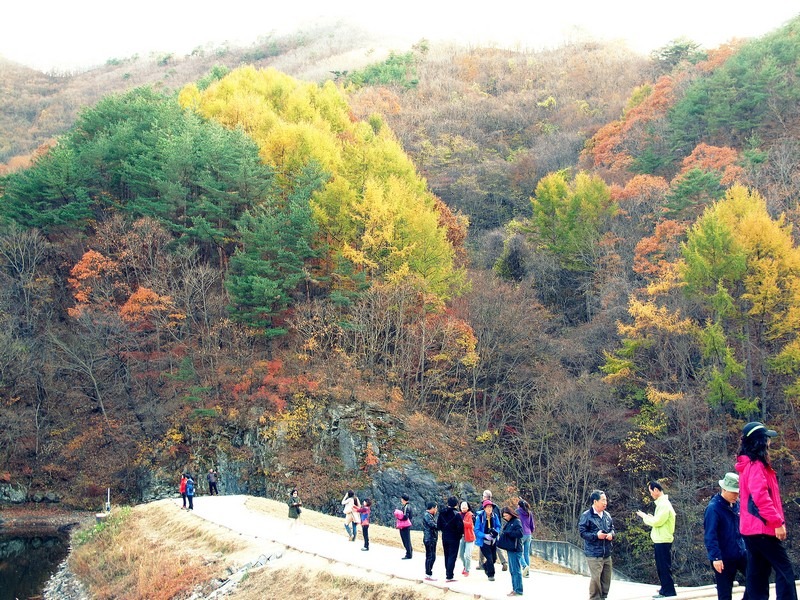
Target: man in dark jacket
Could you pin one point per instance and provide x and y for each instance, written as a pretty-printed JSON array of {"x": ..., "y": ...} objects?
[
  {"x": 724, "y": 543},
  {"x": 430, "y": 535},
  {"x": 597, "y": 530},
  {"x": 451, "y": 525}
]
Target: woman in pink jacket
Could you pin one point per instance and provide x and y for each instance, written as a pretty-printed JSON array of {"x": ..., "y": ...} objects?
[{"x": 761, "y": 521}]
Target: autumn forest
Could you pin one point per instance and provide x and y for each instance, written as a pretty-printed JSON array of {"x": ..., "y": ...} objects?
[{"x": 539, "y": 272}]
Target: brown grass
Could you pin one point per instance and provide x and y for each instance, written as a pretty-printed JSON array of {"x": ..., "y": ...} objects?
[
  {"x": 315, "y": 579},
  {"x": 151, "y": 552}
]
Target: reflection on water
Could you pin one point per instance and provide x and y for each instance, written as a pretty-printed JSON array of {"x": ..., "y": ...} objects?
[{"x": 27, "y": 562}]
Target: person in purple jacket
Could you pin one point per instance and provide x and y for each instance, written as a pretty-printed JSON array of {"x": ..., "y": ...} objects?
[{"x": 528, "y": 527}]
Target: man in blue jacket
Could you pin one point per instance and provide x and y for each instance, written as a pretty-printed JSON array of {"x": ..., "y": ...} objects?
[
  {"x": 597, "y": 530},
  {"x": 724, "y": 543}
]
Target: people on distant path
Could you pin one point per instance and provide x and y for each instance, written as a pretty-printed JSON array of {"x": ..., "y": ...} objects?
[
  {"x": 724, "y": 543},
  {"x": 761, "y": 519},
  {"x": 182, "y": 489},
  {"x": 294, "y": 503},
  {"x": 403, "y": 518},
  {"x": 528, "y": 527},
  {"x": 211, "y": 477},
  {"x": 510, "y": 540},
  {"x": 190, "y": 491},
  {"x": 596, "y": 527},
  {"x": 501, "y": 555},
  {"x": 467, "y": 541},
  {"x": 451, "y": 525},
  {"x": 349, "y": 501},
  {"x": 430, "y": 536},
  {"x": 363, "y": 511},
  {"x": 662, "y": 534},
  {"x": 487, "y": 528}
]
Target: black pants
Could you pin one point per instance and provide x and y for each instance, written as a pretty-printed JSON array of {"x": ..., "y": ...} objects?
[
  {"x": 450, "y": 555},
  {"x": 764, "y": 553},
  {"x": 489, "y": 554},
  {"x": 212, "y": 488},
  {"x": 183, "y": 495},
  {"x": 663, "y": 554},
  {"x": 405, "y": 536},
  {"x": 365, "y": 533},
  {"x": 430, "y": 557},
  {"x": 725, "y": 580},
  {"x": 191, "y": 504}
]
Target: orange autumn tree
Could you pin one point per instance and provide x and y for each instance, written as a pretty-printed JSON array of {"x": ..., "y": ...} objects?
[{"x": 93, "y": 282}]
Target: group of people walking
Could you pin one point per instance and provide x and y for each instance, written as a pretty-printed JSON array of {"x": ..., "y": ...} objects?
[
  {"x": 504, "y": 533},
  {"x": 744, "y": 529}
]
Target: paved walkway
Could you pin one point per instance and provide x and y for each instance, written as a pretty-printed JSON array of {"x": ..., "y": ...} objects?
[{"x": 232, "y": 513}]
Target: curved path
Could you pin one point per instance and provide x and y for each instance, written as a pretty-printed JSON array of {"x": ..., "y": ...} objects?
[{"x": 231, "y": 512}]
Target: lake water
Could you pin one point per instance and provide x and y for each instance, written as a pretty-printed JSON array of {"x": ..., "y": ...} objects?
[{"x": 27, "y": 562}]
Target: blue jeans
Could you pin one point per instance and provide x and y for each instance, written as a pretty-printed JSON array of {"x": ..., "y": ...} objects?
[
  {"x": 525, "y": 555},
  {"x": 465, "y": 553},
  {"x": 516, "y": 570}
]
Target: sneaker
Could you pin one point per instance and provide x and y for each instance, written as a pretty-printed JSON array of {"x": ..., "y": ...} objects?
[
  {"x": 466, "y": 573},
  {"x": 513, "y": 593},
  {"x": 406, "y": 558},
  {"x": 428, "y": 578},
  {"x": 526, "y": 571},
  {"x": 505, "y": 567},
  {"x": 449, "y": 580},
  {"x": 479, "y": 567},
  {"x": 365, "y": 549},
  {"x": 491, "y": 578}
]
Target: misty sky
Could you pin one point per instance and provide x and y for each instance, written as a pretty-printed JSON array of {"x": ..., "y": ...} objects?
[{"x": 64, "y": 34}]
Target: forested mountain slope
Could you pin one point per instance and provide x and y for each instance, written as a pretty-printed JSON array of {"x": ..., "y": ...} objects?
[{"x": 276, "y": 278}]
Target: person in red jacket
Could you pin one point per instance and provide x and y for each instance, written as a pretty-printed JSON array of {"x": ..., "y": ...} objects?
[
  {"x": 468, "y": 540},
  {"x": 182, "y": 489},
  {"x": 761, "y": 520}
]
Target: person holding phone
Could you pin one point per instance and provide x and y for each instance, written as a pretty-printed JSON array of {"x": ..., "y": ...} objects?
[{"x": 597, "y": 530}]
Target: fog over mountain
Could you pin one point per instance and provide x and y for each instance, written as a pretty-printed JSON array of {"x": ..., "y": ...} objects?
[{"x": 52, "y": 36}]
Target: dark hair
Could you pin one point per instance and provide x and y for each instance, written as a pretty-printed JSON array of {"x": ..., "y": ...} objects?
[
  {"x": 366, "y": 502},
  {"x": 507, "y": 510},
  {"x": 524, "y": 505},
  {"x": 754, "y": 447},
  {"x": 654, "y": 485},
  {"x": 430, "y": 504},
  {"x": 452, "y": 502},
  {"x": 595, "y": 495},
  {"x": 404, "y": 497},
  {"x": 293, "y": 492}
]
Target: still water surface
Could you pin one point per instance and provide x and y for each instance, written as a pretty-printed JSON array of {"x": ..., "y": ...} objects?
[{"x": 27, "y": 562}]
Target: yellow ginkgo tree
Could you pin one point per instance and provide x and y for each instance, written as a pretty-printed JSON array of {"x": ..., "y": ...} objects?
[{"x": 375, "y": 216}]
